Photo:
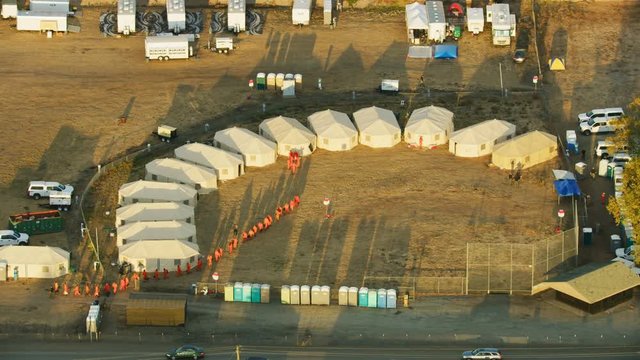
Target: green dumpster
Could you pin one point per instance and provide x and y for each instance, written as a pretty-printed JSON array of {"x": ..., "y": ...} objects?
[
  {"x": 42, "y": 222},
  {"x": 587, "y": 236}
]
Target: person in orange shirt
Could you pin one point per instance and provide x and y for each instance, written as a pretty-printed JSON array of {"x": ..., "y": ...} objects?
[
  {"x": 123, "y": 285},
  {"x": 166, "y": 273},
  {"x": 199, "y": 264},
  {"x": 210, "y": 260},
  {"x": 230, "y": 248},
  {"x": 114, "y": 287},
  {"x": 286, "y": 208},
  {"x": 156, "y": 274},
  {"x": 188, "y": 268},
  {"x": 255, "y": 229},
  {"x": 56, "y": 287},
  {"x": 292, "y": 204},
  {"x": 145, "y": 277},
  {"x": 245, "y": 236},
  {"x": 87, "y": 289},
  {"x": 76, "y": 290},
  {"x": 260, "y": 226},
  {"x": 96, "y": 291},
  {"x": 65, "y": 289},
  {"x": 178, "y": 271},
  {"x": 297, "y": 199},
  {"x": 234, "y": 241}
]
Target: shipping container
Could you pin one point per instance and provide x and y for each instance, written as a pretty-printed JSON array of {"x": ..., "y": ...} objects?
[
  {"x": 57, "y": 6},
  {"x": 43, "y": 222},
  {"x": 41, "y": 21}
]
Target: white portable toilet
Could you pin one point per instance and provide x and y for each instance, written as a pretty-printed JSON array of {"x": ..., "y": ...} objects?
[
  {"x": 271, "y": 81},
  {"x": 343, "y": 296},
  {"x": 372, "y": 298},
  {"x": 325, "y": 295},
  {"x": 298, "y": 79},
  {"x": 228, "y": 292},
  {"x": 315, "y": 295},
  {"x": 279, "y": 80},
  {"x": 602, "y": 167},
  {"x": 391, "y": 298},
  {"x": 285, "y": 295},
  {"x": 295, "y": 294},
  {"x": 353, "y": 296},
  {"x": 288, "y": 88},
  {"x": 305, "y": 295}
]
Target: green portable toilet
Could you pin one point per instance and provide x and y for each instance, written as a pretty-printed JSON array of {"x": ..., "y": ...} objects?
[
  {"x": 372, "y": 298},
  {"x": 255, "y": 293},
  {"x": 237, "y": 291},
  {"x": 246, "y": 292},
  {"x": 587, "y": 236},
  {"x": 261, "y": 81},
  {"x": 362, "y": 297}
]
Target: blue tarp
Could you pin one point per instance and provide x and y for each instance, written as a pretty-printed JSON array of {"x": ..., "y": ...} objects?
[
  {"x": 446, "y": 52},
  {"x": 567, "y": 187}
]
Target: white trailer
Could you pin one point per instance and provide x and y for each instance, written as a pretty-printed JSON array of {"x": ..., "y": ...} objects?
[
  {"x": 436, "y": 22},
  {"x": 49, "y": 6},
  {"x": 500, "y": 18},
  {"x": 223, "y": 44},
  {"x": 41, "y": 21},
  {"x": 169, "y": 47},
  {"x": 93, "y": 320},
  {"x": 475, "y": 20},
  {"x": 328, "y": 11},
  {"x": 60, "y": 200},
  {"x": 126, "y": 16},
  {"x": 301, "y": 12},
  {"x": 236, "y": 16},
  {"x": 9, "y": 9},
  {"x": 176, "y": 15}
]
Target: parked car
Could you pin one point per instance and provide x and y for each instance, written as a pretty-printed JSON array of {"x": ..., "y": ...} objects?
[
  {"x": 627, "y": 253},
  {"x": 604, "y": 148},
  {"x": 10, "y": 237},
  {"x": 483, "y": 353},
  {"x": 601, "y": 114},
  {"x": 186, "y": 352},
  {"x": 40, "y": 189},
  {"x": 619, "y": 160},
  {"x": 519, "y": 56}
]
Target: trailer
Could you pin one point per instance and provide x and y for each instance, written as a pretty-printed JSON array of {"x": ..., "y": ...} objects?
[
  {"x": 166, "y": 133},
  {"x": 436, "y": 22},
  {"x": 176, "y": 15},
  {"x": 126, "y": 16},
  {"x": 60, "y": 200},
  {"x": 42, "y": 222},
  {"x": 301, "y": 12},
  {"x": 236, "y": 16},
  {"x": 501, "y": 23},
  {"x": 9, "y": 9},
  {"x": 169, "y": 47},
  {"x": 389, "y": 86},
  {"x": 223, "y": 44},
  {"x": 327, "y": 12},
  {"x": 475, "y": 20},
  {"x": 60, "y": 6},
  {"x": 41, "y": 21}
]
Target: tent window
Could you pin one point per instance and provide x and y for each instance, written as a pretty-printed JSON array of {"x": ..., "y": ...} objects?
[
  {"x": 190, "y": 239},
  {"x": 367, "y": 138},
  {"x": 252, "y": 158},
  {"x": 154, "y": 177},
  {"x": 437, "y": 137},
  {"x": 176, "y": 262},
  {"x": 551, "y": 150},
  {"x": 198, "y": 186},
  {"x": 134, "y": 201},
  {"x": 509, "y": 137},
  {"x": 192, "y": 259},
  {"x": 186, "y": 202},
  {"x": 325, "y": 141},
  {"x": 225, "y": 171},
  {"x": 527, "y": 159},
  {"x": 45, "y": 269},
  {"x": 483, "y": 146}
]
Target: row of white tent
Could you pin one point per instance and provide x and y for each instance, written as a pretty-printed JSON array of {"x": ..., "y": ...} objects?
[{"x": 34, "y": 261}]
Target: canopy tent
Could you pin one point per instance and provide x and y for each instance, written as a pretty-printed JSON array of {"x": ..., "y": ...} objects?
[
  {"x": 227, "y": 165},
  {"x": 524, "y": 151},
  {"x": 156, "y": 230},
  {"x": 378, "y": 127},
  {"x": 566, "y": 187},
  {"x": 428, "y": 126},
  {"x": 420, "y": 52},
  {"x": 153, "y": 192},
  {"x": 563, "y": 175},
  {"x": 445, "y": 52},
  {"x": 158, "y": 254},
  {"x": 479, "y": 139},
  {"x": 41, "y": 262},
  {"x": 416, "y": 16},
  {"x": 154, "y": 212},
  {"x": 334, "y": 130},
  {"x": 255, "y": 149},
  {"x": 181, "y": 172},
  {"x": 289, "y": 134},
  {"x": 557, "y": 64}
]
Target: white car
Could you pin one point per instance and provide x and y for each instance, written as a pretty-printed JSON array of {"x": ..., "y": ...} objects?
[
  {"x": 483, "y": 353},
  {"x": 10, "y": 237},
  {"x": 40, "y": 189},
  {"x": 626, "y": 253}
]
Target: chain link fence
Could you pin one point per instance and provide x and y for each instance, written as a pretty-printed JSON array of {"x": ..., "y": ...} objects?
[{"x": 418, "y": 286}]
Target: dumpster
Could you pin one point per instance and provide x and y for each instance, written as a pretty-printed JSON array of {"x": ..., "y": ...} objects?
[
  {"x": 255, "y": 293},
  {"x": 343, "y": 296},
  {"x": 285, "y": 295},
  {"x": 353, "y": 296},
  {"x": 261, "y": 81},
  {"x": 362, "y": 297},
  {"x": 382, "y": 298},
  {"x": 616, "y": 243},
  {"x": 372, "y": 298},
  {"x": 246, "y": 292},
  {"x": 295, "y": 294},
  {"x": 237, "y": 291},
  {"x": 271, "y": 81},
  {"x": 325, "y": 295},
  {"x": 587, "y": 236},
  {"x": 228, "y": 292},
  {"x": 265, "y": 292},
  {"x": 305, "y": 295},
  {"x": 391, "y": 299},
  {"x": 41, "y": 222},
  {"x": 315, "y": 295}
]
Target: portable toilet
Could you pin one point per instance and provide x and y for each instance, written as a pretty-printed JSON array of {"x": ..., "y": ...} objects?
[
  {"x": 228, "y": 292},
  {"x": 305, "y": 295},
  {"x": 602, "y": 167},
  {"x": 288, "y": 88},
  {"x": 382, "y": 298},
  {"x": 391, "y": 298},
  {"x": 255, "y": 293},
  {"x": 261, "y": 81},
  {"x": 295, "y": 294},
  {"x": 237, "y": 291},
  {"x": 343, "y": 296},
  {"x": 289, "y": 76},
  {"x": 325, "y": 295},
  {"x": 246, "y": 292},
  {"x": 271, "y": 81},
  {"x": 372, "y": 298},
  {"x": 362, "y": 297},
  {"x": 587, "y": 234},
  {"x": 285, "y": 295},
  {"x": 298, "y": 80},
  {"x": 315, "y": 295},
  {"x": 265, "y": 291},
  {"x": 279, "y": 80},
  {"x": 353, "y": 296},
  {"x": 616, "y": 243}
]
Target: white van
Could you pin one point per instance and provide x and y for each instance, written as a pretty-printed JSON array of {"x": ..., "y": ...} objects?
[{"x": 601, "y": 114}]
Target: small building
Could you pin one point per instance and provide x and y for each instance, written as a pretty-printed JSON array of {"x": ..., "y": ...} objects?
[
  {"x": 203, "y": 179},
  {"x": 378, "y": 127},
  {"x": 289, "y": 134},
  {"x": 255, "y": 149},
  {"x": 429, "y": 126},
  {"x": 156, "y": 230},
  {"x": 525, "y": 150},
  {"x": 301, "y": 12},
  {"x": 176, "y": 15},
  {"x": 42, "y": 262},
  {"x": 159, "y": 254},
  {"x": 153, "y": 192},
  {"x": 334, "y": 130},
  {"x": 236, "y": 16},
  {"x": 479, "y": 139},
  {"x": 162, "y": 310},
  {"x": 41, "y": 21},
  {"x": 417, "y": 23},
  {"x": 227, "y": 165},
  {"x": 9, "y": 9},
  {"x": 59, "y": 6},
  {"x": 166, "y": 211},
  {"x": 126, "y": 16}
]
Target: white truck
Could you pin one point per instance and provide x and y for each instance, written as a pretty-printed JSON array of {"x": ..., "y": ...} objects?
[
  {"x": 503, "y": 24},
  {"x": 436, "y": 22},
  {"x": 169, "y": 47}
]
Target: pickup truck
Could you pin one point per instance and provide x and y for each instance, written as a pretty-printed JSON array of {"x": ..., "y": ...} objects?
[{"x": 10, "y": 237}]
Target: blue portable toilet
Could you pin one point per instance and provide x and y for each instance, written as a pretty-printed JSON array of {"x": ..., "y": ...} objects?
[
  {"x": 382, "y": 298},
  {"x": 237, "y": 291},
  {"x": 362, "y": 297},
  {"x": 255, "y": 293},
  {"x": 372, "y": 299},
  {"x": 246, "y": 292},
  {"x": 391, "y": 299}
]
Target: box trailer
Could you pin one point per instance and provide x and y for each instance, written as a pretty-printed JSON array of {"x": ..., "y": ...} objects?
[
  {"x": 500, "y": 18},
  {"x": 61, "y": 6},
  {"x": 33, "y": 223},
  {"x": 236, "y": 16},
  {"x": 176, "y": 15},
  {"x": 60, "y": 200},
  {"x": 328, "y": 12},
  {"x": 475, "y": 20},
  {"x": 168, "y": 47},
  {"x": 9, "y": 9},
  {"x": 126, "y": 16},
  {"x": 41, "y": 21},
  {"x": 436, "y": 22},
  {"x": 301, "y": 12}
]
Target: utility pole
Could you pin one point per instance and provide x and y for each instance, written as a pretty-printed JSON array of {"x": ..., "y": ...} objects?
[{"x": 237, "y": 352}]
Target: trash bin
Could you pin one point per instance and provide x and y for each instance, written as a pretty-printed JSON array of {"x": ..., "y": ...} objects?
[
  {"x": 353, "y": 296},
  {"x": 363, "y": 297},
  {"x": 343, "y": 296},
  {"x": 372, "y": 298},
  {"x": 391, "y": 299},
  {"x": 285, "y": 295},
  {"x": 315, "y": 295},
  {"x": 265, "y": 292},
  {"x": 616, "y": 243},
  {"x": 382, "y": 298},
  {"x": 295, "y": 294},
  {"x": 255, "y": 293},
  {"x": 237, "y": 291},
  {"x": 587, "y": 236},
  {"x": 228, "y": 292},
  {"x": 305, "y": 295}
]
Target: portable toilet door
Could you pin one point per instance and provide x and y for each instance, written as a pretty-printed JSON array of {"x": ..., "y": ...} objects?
[
  {"x": 372, "y": 298},
  {"x": 343, "y": 296},
  {"x": 382, "y": 298},
  {"x": 246, "y": 292},
  {"x": 391, "y": 299},
  {"x": 325, "y": 295},
  {"x": 228, "y": 292},
  {"x": 265, "y": 291},
  {"x": 315, "y": 295},
  {"x": 237, "y": 291},
  {"x": 305, "y": 295},
  {"x": 279, "y": 80},
  {"x": 362, "y": 297},
  {"x": 285, "y": 295},
  {"x": 353, "y": 296},
  {"x": 271, "y": 81},
  {"x": 295, "y": 294},
  {"x": 255, "y": 293}
]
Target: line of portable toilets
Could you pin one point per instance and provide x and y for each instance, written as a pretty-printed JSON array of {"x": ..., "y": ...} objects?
[
  {"x": 365, "y": 297},
  {"x": 305, "y": 295},
  {"x": 247, "y": 292}
]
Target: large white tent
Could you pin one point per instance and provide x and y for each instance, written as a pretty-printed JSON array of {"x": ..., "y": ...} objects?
[
  {"x": 159, "y": 254},
  {"x": 289, "y": 134},
  {"x": 378, "y": 127},
  {"x": 42, "y": 262},
  {"x": 154, "y": 212},
  {"x": 154, "y": 191},
  {"x": 479, "y": 139},
  {"x": 255, "y": 149},
  {"x": 156, "y": 230},
  {"x": 334, "y": 129},
  {"x": 227, "y": 165},
  {"x": 416, "y": 18},
  {"x": 525, "y": 150},
  {"x": 429, "y": 126},
  {"x": 170, "y": 170}
]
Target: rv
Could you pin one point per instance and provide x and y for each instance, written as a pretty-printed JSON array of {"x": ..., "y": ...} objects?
[{"x": 503, "y": 24}]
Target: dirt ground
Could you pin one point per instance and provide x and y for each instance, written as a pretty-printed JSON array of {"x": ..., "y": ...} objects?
[{"x": 397, "y": 211}]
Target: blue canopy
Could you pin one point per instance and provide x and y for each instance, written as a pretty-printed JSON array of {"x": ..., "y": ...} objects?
[
  {"x": 446, "y": 52},
  {"x": 567, "y": 187}
]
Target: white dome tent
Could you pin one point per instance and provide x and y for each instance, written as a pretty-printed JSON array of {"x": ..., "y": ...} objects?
[
  {"x": 227, "y": 165},
  {"x": 255, "y": 149},
  {"x": 181, "y": 172},
  {"x": 378, "y": 127},
  {"x": 154, "y": 192},
  {"x": 156, "y": 230},
  {"x": 289, "y": 134},
  {"x": 334, "y": 130},
  {"x": 41, "y": 262},
  {"x": 433, "y": 124},
  {"x": 154, "y": 212},
  {"x": 524, "y": 151},
  {"x": 158, "y": 254},
  {"x": 479, "y": 139}
]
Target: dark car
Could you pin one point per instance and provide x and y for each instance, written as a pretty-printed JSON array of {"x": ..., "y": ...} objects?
[
  {"x": 519, "y": 56},
  {"x": 186, "y": 352}
]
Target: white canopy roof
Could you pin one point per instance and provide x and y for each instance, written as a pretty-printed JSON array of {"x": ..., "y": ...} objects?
[
  {"x": 181, "y": 170},
  {"x": 245, "y": 141},
  {"x": 416, "y": 16},
  {"x": 482, "y": 133},
  {"x": 156, "y": 230},
  {"x": 34, "y": 255},
  {"x": 376, "y": 121},
  {"x": 563, "y": 175},
  {"x": 159, "y": 249},
  {"x": 143, "y": 189},
  {"x": 430, "y": 119},
  {"x": 287, "y": 130},
  {"x": 208, "y": 156},
  {"x": 154, "y": 211},
  {"x": 332, "y": 124}
]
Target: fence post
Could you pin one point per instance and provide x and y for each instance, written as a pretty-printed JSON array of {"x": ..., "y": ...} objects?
[
  {"x": 466, "y": 290},
  {"x": 533, "y": 265},
  {"x": 511, "y": 272},
  {"x": 547, "y": 272},
  {"x": 488, "y": 268}
]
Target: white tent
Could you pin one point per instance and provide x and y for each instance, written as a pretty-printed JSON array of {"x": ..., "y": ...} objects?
[
  {"x": 227, "y": 165},
  {"x": 479, "y": 139},
  {"x": 378, "y": 127},
  {"x": 158, "y": 254},
  {"x": 525, "y": 150},
  {"x": 289, "y": 134},
  {"x": 35, "y": 261},
  {"x": 255, "y": 150},
  {"x": 334, "y": 129},
  {"x": 181, "y": 172},
  {"x": 154, "y": 212},
  {"x": 428, "y": 126},
  {"x": 156, "y": 230},
  {"x": 153, "y": 191},
  {"x": 416, "y": 18}
]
